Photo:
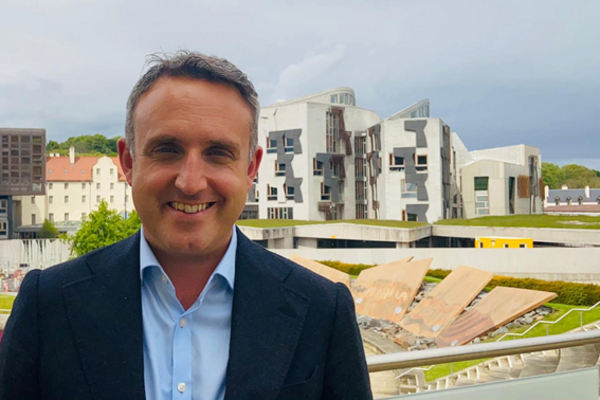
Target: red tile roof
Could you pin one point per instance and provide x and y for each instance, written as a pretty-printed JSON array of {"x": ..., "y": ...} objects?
[
  {"x": 60, "y": 169},
  {"x": 584, "y": 208}
]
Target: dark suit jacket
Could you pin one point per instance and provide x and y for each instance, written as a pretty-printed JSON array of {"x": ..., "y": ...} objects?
[{"x": 76, "y": 332}]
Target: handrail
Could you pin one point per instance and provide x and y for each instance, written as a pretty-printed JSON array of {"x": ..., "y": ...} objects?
[
  {"x": 386, "y": 362},
  {"x": 548, "y": 322}
]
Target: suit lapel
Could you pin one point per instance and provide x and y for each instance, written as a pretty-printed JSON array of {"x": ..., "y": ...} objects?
[
  {"x": 105, "y": 313},
  {"x": 267, "y": 321}
]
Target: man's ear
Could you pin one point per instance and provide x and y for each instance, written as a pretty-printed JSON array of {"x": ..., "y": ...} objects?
[
  {"x": 126, "y": 159},
  {"x": 254, "y": 164}
]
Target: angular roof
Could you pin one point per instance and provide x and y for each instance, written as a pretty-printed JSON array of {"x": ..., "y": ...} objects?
[{"x": 60, "y": 169}]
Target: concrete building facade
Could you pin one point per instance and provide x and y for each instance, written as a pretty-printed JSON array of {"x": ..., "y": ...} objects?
[{"x": 327, "y": 159}]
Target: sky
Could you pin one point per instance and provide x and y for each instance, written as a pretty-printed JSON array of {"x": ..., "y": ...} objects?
[{"x": 498, "y": 72}]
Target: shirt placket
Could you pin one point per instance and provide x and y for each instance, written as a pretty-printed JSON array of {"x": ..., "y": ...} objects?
[{"x": 182, "y": 358}]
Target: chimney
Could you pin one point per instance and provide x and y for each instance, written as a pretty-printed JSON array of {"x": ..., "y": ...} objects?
[
  {"x": 587, "y": 192},
  {"x": 72, "y": 154},
  {"x": 564, "y": 187},
  {"x": 546, "y": 191}
]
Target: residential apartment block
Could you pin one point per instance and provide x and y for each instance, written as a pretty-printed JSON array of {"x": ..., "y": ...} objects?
[{"x": 75, "y": 186}]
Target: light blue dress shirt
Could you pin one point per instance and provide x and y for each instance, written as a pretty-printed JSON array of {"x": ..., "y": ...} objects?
[{"x": 186, "y": 351}]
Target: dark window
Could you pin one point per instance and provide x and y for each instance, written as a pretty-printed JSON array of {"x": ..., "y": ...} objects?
[{"x": 481, "y": 182}]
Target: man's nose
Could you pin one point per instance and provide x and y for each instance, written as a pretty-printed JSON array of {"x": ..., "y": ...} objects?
[{"x": 191, "y": 178}]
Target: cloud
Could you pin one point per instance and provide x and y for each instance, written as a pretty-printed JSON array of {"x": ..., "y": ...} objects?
[{"x": 297, "y": 78}]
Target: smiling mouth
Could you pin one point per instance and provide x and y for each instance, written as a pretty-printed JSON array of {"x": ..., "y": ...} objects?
[{"x": 190, "y": 208}]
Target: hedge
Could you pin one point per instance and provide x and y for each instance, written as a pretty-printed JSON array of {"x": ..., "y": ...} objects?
[{"x": 575, "y": 294}]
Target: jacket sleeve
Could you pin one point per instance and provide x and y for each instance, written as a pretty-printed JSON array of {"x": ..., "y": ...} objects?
[
  {"x": 19, "y": 348},
  {"x": 346, "y": 374}
]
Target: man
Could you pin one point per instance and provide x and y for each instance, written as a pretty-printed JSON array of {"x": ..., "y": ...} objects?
[{"x": 188, "y": 308}]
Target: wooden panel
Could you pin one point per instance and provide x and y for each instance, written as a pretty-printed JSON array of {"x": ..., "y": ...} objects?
[
  {"x": 499, "y": 307},
  {"x": 439, "y": 308},
  {"x": 387, "y": 291},
  {"x": 330, "y": 273}
]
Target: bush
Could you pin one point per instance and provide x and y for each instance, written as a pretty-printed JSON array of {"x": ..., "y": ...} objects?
[{"x": 575, "y": 294}]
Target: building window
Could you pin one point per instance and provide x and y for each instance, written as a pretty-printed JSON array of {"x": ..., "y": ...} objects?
[
  {"x": 325, "y": 192},
  {"x": 396, "y": 163},
  {"x": 280, "y": 213},
  {"x": 112, "y": 186},
  {"x": 271, "y": 146},
  {"x": 3, "y": 228},
  {"x": 50, "y": 185},
  {"x": 112, "y": 171},
  {"x": 66, "y": 217},
  {"x": 317, "y": 167},
  {"x": 523, "y": 245},
  {"x": 51, "y": 217},
  {"x": 50, "y": 199},
  {"x": 98, "y": 199},
  {"x": 66, "y": 199},
  {"x": 557, "y": 200},
  {"x": 361, "y": 191},
  {"x": 83, "y": 186},
  {"x": 83, "y": 199},
  {"x": 32, "y": 199},
  {"x": 289, "y": 144},
  {"x": 83, "y": 216},
  {"x": 33, "y": 219},
  {"x": 580, "y": 200},
  {"x": 112, "y": 199},
  {"x": 97, "y": 171},
  {"x": 279, "y": 169},
  {"x": 289, "y": 192},
  {"x": 481, "y": 183},
  {"x": 360, "y": 145},
  {"x": 333, "y": 133},
  {"x": 334, "y": 98},
  {"x": 272, "y": 193},
  {"x": 506, "y": 245},
  {"x": 361, "y": 211},
  {"x": 66, "y": 186},
  {"x": 97, "y": 186},
  {"x": 360, "y": 168},
  {"x": 408, "y": 189},
  {"x": 421, "y": 163},
  {"x": 569, "y": 200}
]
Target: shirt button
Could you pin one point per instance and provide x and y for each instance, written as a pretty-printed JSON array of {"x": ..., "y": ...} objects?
[
  {"x": 183, "y": 323},
  {"x": 181, "y": 387},
  {"x": 164, "y": 278}
]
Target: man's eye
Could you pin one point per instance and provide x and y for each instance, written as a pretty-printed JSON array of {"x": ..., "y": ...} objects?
[
  {"x": 165, "y": 150},
  {"x": 219, "y": 153}
]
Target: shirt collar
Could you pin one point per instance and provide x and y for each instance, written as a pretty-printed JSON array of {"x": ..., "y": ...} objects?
[{"x": 225, "y": 268}]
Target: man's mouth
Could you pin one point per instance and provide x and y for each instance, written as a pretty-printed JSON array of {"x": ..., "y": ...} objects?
[{"x": 190, "y": 208}]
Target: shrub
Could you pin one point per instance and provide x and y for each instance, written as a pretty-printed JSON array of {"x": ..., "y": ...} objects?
[{"x": 350, "y": 269}]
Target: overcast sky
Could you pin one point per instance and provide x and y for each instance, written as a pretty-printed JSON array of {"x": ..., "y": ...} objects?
[{"x": 498, "y": 72}]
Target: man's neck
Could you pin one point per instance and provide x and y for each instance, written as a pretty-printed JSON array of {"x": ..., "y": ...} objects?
[{"x": 189, "y": 274}]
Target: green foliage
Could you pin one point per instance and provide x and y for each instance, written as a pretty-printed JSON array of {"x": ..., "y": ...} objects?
[
  {"x": 529, "y": 221},
  {"x": 87, "y": 144},
  {"x": 49, "y": 230},
  {"x": 101, "y": 228},
  {"x": 351, "y": 269},
  {"x": 573, "y": 175}
]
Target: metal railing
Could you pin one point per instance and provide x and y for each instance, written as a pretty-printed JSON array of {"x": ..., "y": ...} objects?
[
  {"x": 548, "y": 323},
  {"x": 386, "y": 362}
]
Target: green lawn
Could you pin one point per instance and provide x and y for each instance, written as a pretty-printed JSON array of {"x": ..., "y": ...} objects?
[
  {"x": 567, "y": 324},
  {"x": 6, "y": 301},
  {"x": 530, "y": 221},
  {"x": 277, "y": 223}
]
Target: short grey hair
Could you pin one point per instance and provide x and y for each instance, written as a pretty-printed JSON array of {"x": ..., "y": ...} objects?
[{"x": 199, "y": 66}]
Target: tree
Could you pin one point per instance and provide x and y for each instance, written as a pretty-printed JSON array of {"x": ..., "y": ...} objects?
[
  {"x": 552, "y": 175},
  {"x": 49, "y": 230},
  {"x": 102, "y": 228},
  {"x": 578, "y": 176},
  {"x": 52, "y": 145}
]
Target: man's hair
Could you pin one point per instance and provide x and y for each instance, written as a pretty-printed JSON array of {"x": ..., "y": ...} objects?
[{"x": 199, "y": 66}]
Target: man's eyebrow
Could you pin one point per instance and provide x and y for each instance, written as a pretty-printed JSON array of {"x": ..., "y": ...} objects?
[
  {"x": 162, "y": 139},
  {"x": 229, "y": 145}
]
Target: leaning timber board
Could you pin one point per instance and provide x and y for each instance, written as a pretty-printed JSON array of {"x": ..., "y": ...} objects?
[
  {"x": 499, "y": 307},
  {"x": 330, "y": 273},
  {"x": 387, "y": 291},
  {"x": 439, "y": 308}
]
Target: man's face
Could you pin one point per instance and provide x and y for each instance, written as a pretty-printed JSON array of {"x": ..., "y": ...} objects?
[{"x": 190, "y": 172}]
